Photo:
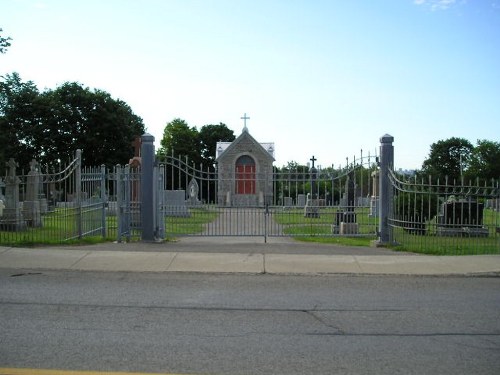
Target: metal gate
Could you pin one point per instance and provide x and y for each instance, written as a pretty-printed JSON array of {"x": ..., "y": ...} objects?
[{"x": 304, "y": 201}]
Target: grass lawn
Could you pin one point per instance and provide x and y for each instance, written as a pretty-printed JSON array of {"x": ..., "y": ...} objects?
[{"x": 60, "y": 227}]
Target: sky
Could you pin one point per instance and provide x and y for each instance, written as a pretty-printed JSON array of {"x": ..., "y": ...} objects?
[{"x": 324, "y": 78}]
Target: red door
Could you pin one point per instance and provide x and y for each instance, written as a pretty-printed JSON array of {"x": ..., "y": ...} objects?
[{"x": 245, "y": 175}]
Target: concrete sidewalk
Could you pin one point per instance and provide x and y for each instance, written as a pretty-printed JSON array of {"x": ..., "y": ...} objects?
[{"x": 254, "y": 260}]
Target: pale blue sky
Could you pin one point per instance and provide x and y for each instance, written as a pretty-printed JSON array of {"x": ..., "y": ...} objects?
[{"x": 327, "y": 78}]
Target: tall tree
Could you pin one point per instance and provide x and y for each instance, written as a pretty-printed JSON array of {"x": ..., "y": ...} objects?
[
  {"x": 209, "y": 136},
  {"x": 448, "y": 158},
  {"x": 19, "y": 116},
  {"x": 485, "y": 160},
  {"x": 50, "y": 126},
  {"x": 4, "y": 42},
  {"x": 181, "y": 141},
  {"x": 93, "y": 121}
]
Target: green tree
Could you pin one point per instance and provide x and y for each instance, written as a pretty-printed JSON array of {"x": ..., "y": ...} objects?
[
  {"x": 209, "y": 136},
  {"x": 93, "y": 121},
  {"x": 181, "y": 141},
  {"x": 448, "y": 158},
  {"x": 4, "y": 42},
  {"x": 19, "y": 117},
  {"x": 485, "y": 160},
  {"x": 50, "y": 126}
]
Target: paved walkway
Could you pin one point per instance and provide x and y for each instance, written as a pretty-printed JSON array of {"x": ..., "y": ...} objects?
[{"x": 243, "y": 255}]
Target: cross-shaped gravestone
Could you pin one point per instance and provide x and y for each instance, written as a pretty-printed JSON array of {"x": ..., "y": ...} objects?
[
  {"x": 33, "y": 165},
  {"x": 313, "y": 159},
  {"x": 12, "y": 167},
  {"x": 245, "y": 118}
]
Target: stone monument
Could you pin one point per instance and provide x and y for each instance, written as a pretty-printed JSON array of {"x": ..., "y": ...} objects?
[
  {"x": 345, "y": 221},
  {"x": 374, "y": 196},
  {"x": 193, "y": 193},
  {"x": 311, "y": 208},
  {"x": 31, "y": 206},
  {"x": 12, "y": 218}
]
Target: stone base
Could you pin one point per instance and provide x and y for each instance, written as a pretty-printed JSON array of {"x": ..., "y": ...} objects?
[
  {"x": 32, "y": 214},
  {"x": 349, "y": 228},
  {"x": 12, "y": 220},
  {"x": 462, "y": 232},
  {"x": 311, "y": 211}
]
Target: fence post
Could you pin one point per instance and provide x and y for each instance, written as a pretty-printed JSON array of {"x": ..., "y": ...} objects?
[
  {"x": 148, "y": 185},
  {"x": 119, "y": 202},
  {"x": 78, "y": 192},
  {"x": 104, "y": 199},
  {"x": 385, "y": 190}
]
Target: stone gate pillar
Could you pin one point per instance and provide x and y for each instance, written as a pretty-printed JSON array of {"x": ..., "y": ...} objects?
[
  {"x": 148, "y": 185},
  {"x": 385, "y": 190}
]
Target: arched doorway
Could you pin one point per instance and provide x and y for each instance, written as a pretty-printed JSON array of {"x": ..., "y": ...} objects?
[{"x": 245, "y": 175}]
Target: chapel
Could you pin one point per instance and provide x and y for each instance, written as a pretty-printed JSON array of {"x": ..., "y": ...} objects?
[{"x": 244, "y": 171}]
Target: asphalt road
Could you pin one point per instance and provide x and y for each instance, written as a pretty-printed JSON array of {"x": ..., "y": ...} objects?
[{"x": 252, "y": 324}]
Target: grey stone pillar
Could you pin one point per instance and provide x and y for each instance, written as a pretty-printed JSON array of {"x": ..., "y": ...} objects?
[
  {"x": 148, "y": 185},
  {"x": 385, "y": 190}
]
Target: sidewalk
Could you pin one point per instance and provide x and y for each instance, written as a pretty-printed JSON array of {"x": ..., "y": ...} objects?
[{"x": 237, "y": 256}]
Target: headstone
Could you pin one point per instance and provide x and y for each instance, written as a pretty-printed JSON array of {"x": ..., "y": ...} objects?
[
  {"x": 374, "y": 196},
  {"x": 175, "y": 203},
  {"x": 287, "y": 203},
  {"x": 348, "y": 224},
  {"x": 349, "y": 192},
  {"x": 311, "y": 209},
  {"x": 12, "y": 218},
  {"x": 193, "y": 193},
  {"x": 31, "y": 206},
  {"x": 301, "y": 200},
  {"x": 461, "y": 218}
]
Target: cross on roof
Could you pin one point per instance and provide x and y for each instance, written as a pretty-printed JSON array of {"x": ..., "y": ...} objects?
[{"x": 245, "y": 118}]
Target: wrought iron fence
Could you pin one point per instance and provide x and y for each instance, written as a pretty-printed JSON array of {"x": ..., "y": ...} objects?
[
  {"x": 44, "y": 206},
  {"x": 445, "y": 216}
]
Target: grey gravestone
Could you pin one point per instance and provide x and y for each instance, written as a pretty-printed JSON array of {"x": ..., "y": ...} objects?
[
  {"x": 348, "y": 224},
  {"x": 193, "y": 193},
  {"x": 12, "y": 218},
  {"x": 349, "y": 192},
  {"x": 31, "y": 206},
  {"x": 287, "y": 203},
  {"x": 175, "y": 203},
  {"x": 374, "y": 196},
  {"x": 301, "y": 200}
]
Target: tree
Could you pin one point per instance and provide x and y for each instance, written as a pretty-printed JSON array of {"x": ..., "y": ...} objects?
[
  {"x": 4, "y": 42},
  {"x": 448, "y": 158},
  {"x": 485, "y": 160},
  {"x": 19, "y": 117},
  {"x": 181, "y": 141},
  {"x": 93, "y": 121},
  {"x": 209, "y": 136},
  {"x": 51, "y": 125}
]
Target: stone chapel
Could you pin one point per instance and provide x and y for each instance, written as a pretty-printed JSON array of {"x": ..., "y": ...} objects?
[{"x": 244, "y": 171}]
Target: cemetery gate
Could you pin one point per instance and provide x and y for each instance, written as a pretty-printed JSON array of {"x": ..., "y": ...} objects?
[{"x": 295, "y": 200}]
